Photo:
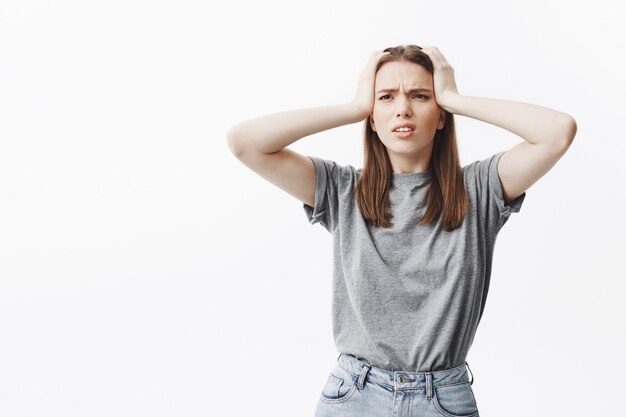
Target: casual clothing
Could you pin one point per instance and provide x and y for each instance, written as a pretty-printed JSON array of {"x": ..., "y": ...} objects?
[
  {"x": 409, "y": 297},
  {"x": 355, "y": 389}
]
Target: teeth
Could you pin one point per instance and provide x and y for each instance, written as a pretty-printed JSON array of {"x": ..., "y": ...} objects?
[{"x": 403, "y": 129}]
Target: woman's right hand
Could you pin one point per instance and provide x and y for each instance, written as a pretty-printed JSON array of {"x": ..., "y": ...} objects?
[{"x": 364, "y": 98}]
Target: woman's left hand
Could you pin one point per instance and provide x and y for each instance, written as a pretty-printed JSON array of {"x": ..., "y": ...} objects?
[{"x": 443, "y": 77}]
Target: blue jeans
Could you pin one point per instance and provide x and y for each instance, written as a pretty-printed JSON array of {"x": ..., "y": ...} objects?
[{"x": 356, "y": 389}]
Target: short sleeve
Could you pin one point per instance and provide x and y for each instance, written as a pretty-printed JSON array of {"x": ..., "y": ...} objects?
[
  {"x": 490, "y": 192},
  {"x": 327, "y": 178}
]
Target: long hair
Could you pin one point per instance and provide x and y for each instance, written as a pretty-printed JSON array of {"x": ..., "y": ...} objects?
[{"x": 446, "y": 190}]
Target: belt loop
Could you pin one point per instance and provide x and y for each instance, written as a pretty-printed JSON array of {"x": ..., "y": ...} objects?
[
  {"x": 364, "y": 372},
  {"x": 472, "y": 381},
  {"x": 429, "y": 385}
]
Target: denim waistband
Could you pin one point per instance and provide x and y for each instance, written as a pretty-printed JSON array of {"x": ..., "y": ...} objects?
[{"x": 401, "y": 380}]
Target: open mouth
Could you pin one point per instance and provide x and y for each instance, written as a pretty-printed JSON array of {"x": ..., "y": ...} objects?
[{"x": 403, "y": 133}]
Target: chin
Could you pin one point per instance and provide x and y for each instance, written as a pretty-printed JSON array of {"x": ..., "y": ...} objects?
[{"x": 406, "y": 145}]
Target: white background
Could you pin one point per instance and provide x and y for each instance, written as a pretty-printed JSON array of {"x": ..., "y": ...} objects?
[{"x": 145, "y": 271}]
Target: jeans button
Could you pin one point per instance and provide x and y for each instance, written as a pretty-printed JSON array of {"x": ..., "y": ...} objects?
[{"x": 401, "y": 379}]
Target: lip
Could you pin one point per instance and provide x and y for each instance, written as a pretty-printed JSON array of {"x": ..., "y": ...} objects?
[
  {"x": 399, "y": 125},
  {"x": 404, "y": 135}
]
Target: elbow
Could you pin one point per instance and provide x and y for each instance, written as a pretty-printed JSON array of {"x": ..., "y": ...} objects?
[
  {"x": 568, "y": 132},
  {"x": 570, "y": 129},
  {"x": 231, "y": 140}
]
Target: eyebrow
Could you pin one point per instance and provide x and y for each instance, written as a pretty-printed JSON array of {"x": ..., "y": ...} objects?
[{"x": 393, "y": 90}]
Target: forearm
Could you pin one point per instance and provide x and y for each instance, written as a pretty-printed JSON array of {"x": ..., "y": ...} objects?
[
  {"x": 535, "y": 124},
  {"x": 273, "y": 132}
]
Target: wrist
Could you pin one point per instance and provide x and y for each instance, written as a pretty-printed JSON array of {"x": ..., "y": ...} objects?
[
  {"x": 447, "y": 101},
  {"x": 358, "y": 111}
]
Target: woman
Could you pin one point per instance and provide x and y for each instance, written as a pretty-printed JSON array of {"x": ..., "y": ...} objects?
[{"x": 413, "y": 231}]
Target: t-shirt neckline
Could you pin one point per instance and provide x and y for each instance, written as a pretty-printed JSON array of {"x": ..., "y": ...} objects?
[{"x": 411, "y": 178}]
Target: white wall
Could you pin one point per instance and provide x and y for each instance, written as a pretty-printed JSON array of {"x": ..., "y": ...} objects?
[{"x": 144, "y": 271}]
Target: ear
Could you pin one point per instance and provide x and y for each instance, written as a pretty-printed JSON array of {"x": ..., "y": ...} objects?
[
  {"x": 372, "y": 125},
  {"x": 442, "y": 119}
]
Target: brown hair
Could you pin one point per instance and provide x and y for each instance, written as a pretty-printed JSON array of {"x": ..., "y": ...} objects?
[{"x": 446, "y": 191}]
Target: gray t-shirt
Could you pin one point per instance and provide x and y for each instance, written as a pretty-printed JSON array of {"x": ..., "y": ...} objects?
[{"x": 409, "y": 298}]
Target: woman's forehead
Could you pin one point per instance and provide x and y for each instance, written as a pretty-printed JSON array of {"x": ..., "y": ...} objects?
[{"x": 393, "y": 75}]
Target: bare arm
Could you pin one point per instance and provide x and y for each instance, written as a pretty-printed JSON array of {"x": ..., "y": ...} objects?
[
  {"x": 273, "y": 132},
  {"x": 547, "y": 133},
  {"x": 262, "y": 143}
]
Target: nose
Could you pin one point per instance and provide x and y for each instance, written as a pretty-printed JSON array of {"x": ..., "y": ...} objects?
[{"x": 404, "y": 108}]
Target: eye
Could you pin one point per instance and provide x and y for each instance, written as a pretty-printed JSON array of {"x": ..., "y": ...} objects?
[{"x": 387, "y": 95}]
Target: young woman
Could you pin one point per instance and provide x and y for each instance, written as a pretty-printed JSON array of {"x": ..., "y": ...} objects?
[{"x": 413, "y": 231}]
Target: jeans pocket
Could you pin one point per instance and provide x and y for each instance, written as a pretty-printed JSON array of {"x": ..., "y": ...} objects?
[
  {"x": 455, "y": 400},
  {"x": 339, "y": 386}
]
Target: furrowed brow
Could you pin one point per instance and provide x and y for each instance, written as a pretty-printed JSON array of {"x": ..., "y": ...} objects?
[{"x": 393, "y": 90}]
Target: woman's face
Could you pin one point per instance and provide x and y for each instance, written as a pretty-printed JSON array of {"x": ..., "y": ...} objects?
[{"x": 405, "y": 106}]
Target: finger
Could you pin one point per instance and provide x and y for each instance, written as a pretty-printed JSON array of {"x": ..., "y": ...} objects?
[
  {"x": 434, "y": 54},
  {"x": 431, "y": 53}
]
